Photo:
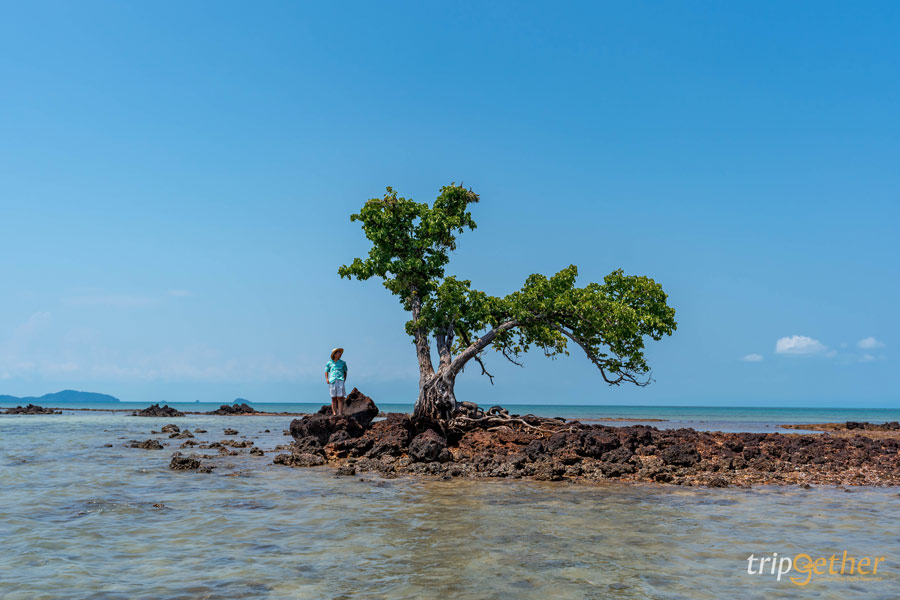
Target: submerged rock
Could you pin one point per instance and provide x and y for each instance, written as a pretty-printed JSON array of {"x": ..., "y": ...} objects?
[
  {"x": 180, "y": 462},
  {"x": 146, "y": 445},
  {"x": 171, "y": 428},
  {"x": 155, "y": 410},
  {"x": 304, "y": 459},
  {"x": 230, "y": 431}
]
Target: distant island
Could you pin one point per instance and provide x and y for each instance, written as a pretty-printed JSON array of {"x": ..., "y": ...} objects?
[{"x": 62, "y": 398}]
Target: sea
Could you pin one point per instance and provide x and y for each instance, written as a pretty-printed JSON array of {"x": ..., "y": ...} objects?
[{"x": 82, "y": 515}]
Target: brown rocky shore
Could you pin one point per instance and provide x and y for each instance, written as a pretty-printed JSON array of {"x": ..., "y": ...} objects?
[{"x": 492, "y": 443}]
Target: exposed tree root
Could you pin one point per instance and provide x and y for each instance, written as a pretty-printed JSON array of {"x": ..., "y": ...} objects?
[{"x": 469, "y": 416}]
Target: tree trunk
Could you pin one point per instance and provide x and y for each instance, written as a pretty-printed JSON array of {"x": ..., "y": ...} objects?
[{"x": 437, "y": 400}]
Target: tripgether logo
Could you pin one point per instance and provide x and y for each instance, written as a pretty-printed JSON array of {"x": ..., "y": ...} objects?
[{"x": 805, "y": 566}]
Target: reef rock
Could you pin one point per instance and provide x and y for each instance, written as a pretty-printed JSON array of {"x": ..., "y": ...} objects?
[
  {"x": 428, "y": 447},
  {"x": 234, "y": 409},
  {"x": 32, "y": 409},
  {"x": 146, "y": 445},
  {"x": 184, "y": 463},
  {"x": 156, "y": 410}
]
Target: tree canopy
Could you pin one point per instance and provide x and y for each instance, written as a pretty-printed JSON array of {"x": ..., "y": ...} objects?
[{"x": 411, "y": 246}]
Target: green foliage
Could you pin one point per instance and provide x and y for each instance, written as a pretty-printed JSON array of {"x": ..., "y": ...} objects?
[
  {"x": 609, "y": 321},
  {"x": 411, "y": 243}
]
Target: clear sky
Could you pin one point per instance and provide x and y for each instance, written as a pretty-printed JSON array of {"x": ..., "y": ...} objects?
[{"x": 176, "y": 180}]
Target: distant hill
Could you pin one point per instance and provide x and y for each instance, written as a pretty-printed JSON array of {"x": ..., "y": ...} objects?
[
  {"x": 241, "y": 401},
  {"x": 62, "y": 398}
]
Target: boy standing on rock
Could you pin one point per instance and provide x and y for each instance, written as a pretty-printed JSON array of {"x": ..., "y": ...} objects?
[{"x": 335, "y": 376}]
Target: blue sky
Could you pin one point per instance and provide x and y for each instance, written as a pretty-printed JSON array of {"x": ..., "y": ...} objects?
[{"x": 176, "y": 181}]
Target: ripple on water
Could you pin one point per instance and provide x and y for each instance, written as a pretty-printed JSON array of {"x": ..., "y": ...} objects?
[{"x": 82, "y": 522}]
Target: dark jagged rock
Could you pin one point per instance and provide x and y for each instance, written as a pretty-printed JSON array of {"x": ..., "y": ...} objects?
[
  {"x": 182, "y": 435},
  {"x": 230, "y": 431},
  {"x": 347, "y": 470},
  {"x": 304, "y": 459},
  {"x": 427, "y": 446},
  {"x": 357, "y": 406},
  {"x": 155, "y": 410},
  {"x": 146, "y": 445},
  {"x": 234, "y": 409},
  {"x": 682, "y": 455},
  {"x": 322, "y": 427},
  {"x": 256, "y": 451},
  {"x": 32, "y": 409},
  {"x": 310, "y": 444},
  {"x": 171, "y": 428},
  {"x": 389, "y": 437},
  {"x": 183, "y": 463}
]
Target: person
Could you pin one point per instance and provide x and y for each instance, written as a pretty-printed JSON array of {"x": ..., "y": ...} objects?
[{"x": 335, "y": 376}]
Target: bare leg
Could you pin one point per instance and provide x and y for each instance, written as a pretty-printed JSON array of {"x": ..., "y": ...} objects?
[
  {"x": 340, "y": 403},
  {"x": 335, "y": 406}
]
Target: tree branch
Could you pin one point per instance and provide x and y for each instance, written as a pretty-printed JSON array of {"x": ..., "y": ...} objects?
[
  {"x": 478, "y": 345},
  {"x": 622, "y": 376},
  {"x": 465, "y": 338}
]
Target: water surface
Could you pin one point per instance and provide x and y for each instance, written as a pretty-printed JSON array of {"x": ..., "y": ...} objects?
[{"x": 77, "y": 520}]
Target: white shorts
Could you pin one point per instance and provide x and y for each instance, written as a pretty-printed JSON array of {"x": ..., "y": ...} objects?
[{"x": 337, "y": 388}]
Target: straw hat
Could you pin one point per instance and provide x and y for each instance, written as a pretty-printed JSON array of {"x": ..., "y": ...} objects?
[{"x": 336, "y": 350}]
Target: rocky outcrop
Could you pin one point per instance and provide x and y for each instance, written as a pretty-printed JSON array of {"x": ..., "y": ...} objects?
[
  {"x": 32, "y": 409},
  {"x": 326, "y": 428},
  {"x": 494, "y": 444},
  {"x": 155, "y": 410},
  {"x": 322, "y": 427},
  {"x": 357, "y": 406},
  {"x": 234, "y": 409},
  {"x": 429, "y": 446}
]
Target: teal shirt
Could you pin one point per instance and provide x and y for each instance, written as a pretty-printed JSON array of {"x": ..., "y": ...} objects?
[{"x": 336, "y": 369}]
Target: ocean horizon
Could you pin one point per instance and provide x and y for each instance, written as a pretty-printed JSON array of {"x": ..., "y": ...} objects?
[{"x": 706, "y": 418}]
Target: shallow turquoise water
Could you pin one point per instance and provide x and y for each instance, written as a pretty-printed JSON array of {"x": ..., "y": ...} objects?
[{"x": 77, "y": 521}]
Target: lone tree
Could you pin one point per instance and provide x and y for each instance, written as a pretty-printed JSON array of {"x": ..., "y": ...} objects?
[{"x": 411, "y": 244}]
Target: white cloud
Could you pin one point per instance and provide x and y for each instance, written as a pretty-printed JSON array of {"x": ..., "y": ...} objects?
[
  {"x": 869, "y": 343},
  {"x": 799, "y": 344},
  {"x": 753, "y": 357},
  {"x": 866, "y": 358}
]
